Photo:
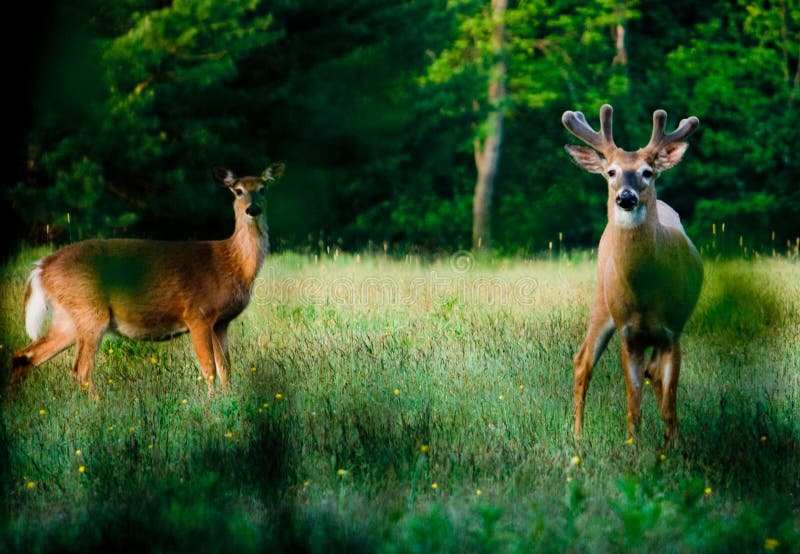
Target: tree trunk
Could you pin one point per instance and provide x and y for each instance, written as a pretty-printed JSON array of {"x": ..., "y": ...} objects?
[
  {"x": 621, "y": 57},
  {"x": 487, "y": 154}
]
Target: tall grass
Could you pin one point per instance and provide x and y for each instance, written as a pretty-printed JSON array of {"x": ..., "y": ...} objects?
[{"x": 412, "y": 406}]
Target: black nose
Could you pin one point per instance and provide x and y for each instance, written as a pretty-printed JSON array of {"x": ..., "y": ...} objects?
[
  {"x": 253, "y": 210},
  {"x": 627, "y": 200}
]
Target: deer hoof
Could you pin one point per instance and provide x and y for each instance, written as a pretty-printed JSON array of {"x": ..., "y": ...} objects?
[{"x": 20, "y": 365}]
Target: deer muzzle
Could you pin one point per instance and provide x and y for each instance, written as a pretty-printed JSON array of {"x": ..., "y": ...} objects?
[
  {"x": 627, "y": 199},
  {"x": 253, "y": 210}
]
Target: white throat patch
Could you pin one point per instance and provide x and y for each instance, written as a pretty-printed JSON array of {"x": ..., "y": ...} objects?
[{"x": 631, "y": 219}]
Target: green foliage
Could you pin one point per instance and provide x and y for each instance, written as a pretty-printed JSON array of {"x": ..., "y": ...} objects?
[
  {"x": 375, "y": 106},
  {"x": 313, "y": 450},
  {"x": 742, "y": 78}
]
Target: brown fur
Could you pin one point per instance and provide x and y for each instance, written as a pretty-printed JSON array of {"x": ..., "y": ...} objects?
[
  {"x": 151, "y": 290},
  {"x": 648, "y": 280}
]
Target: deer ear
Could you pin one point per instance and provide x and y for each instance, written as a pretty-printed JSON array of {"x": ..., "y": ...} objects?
[
  {"x": 586, "y": 158},
  {"x": 670, "y": 156},
  {"x": 273, "y": 172},
  {"x": 224, "y": 176}
]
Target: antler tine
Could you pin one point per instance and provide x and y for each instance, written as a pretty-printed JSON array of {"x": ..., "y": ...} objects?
[
  {"x": 575, "y": 122},
  {"x": 659, "y": 121},
  {"x": 658, "y": 139},
  {"x": 606, "y": 125}
]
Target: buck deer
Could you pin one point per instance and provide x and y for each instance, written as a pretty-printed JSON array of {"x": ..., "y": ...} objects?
[
  {"x": 148, "y": 289},
  {"x": 649, "y": 273}
]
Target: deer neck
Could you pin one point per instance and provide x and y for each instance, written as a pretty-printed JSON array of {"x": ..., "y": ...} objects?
[
  {"x": 635, "y": 236},
  {"x": 248, "y": 246}
]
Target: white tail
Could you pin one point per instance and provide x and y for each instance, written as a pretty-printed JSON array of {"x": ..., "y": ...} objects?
[
  {"x": 649, "y": 272},
  {"x": 149, "y": 290},
  {"x": 36, "y": 306}
]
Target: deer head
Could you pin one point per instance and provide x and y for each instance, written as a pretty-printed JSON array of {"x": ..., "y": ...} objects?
[
  {"x": 630, "y": 175},
  {"x": 248, "y": 191}
]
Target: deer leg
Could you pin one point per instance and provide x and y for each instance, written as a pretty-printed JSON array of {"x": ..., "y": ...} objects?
[
  {"x": 633, "y": 367},
  {"x": 203, "y": 343},
  {"x": 90, "y": 326},
  {"x": 670, "y": 371},
  {"x": 222, "y": 358},
  {"x": 87, "y": 344},
  {"x": 601, "y": 328},
  {"x": 60, "y": 336},
  {"x": 653, "y": 371}
]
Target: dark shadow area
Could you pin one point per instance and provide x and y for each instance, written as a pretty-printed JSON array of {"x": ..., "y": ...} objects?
[
  {"x": 25, "y": 47},
  {"x": 745, "y": 444},
  {"x": 344, "y": 430},
  {"x": 743, "y": 428},
  {"x": 738, "y": 303},
  {"x": 5, "y": 474},
  {"x": 219, "y": 498}
]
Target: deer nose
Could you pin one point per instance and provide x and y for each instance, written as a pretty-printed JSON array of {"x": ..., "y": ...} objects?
[
  {"x": 627, "y": 199},
  {"x": 253, "y": 210}
]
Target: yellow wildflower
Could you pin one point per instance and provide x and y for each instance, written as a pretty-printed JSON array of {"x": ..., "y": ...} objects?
[
  {"x": 478, "y": 492},
  {"x": 110, "y": 350},
  {"x": 42, "y": 411},
  {"x": 397, "y": 392},
  {"x": 707, "y": 491},
  {"x": 229, "y": 434},
  {"x": 341, "y": 472},
  {"x": 153, "y": 360},
  {"x": 771, "y": 544},
  {"x": 424, "y": 448},
  {"x": 78, "y": 452},
  {"x": 629, "y": 441},
  {"x": 184, "y": 401},
  {"x": 576, "y": 460},
  {"x": 278, "y": 396},
  {"x": 81, "y": 469},
  {"x": 434, "y": 486},
  {"x": 763, "y": 438},
  {"x": 662, "y": 457},
  {"x": 30, "y": 485}
]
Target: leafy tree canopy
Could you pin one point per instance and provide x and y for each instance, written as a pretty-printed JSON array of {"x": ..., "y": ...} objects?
[{"x": 375, "y": 104}]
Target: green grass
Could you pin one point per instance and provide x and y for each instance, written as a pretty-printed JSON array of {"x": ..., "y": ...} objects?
[{"x": 393, "y": 376}]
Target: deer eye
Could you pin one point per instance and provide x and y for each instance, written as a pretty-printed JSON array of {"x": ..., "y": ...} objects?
[
  {"x": 647, "y": 173},
  {"x": 612, "y": 172},
  {"x": 239, "y": 192}
]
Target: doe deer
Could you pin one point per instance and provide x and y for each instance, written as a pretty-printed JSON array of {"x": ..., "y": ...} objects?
[
  {"x": 649, "y": 273},
  {"x": 148, "y": 289}
]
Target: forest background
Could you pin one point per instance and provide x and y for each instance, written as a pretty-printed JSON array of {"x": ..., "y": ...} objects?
[{"x": 384, "y": 112}]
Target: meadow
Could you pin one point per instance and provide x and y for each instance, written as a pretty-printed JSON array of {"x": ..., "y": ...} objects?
[{"x": 406, "y": 404}]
